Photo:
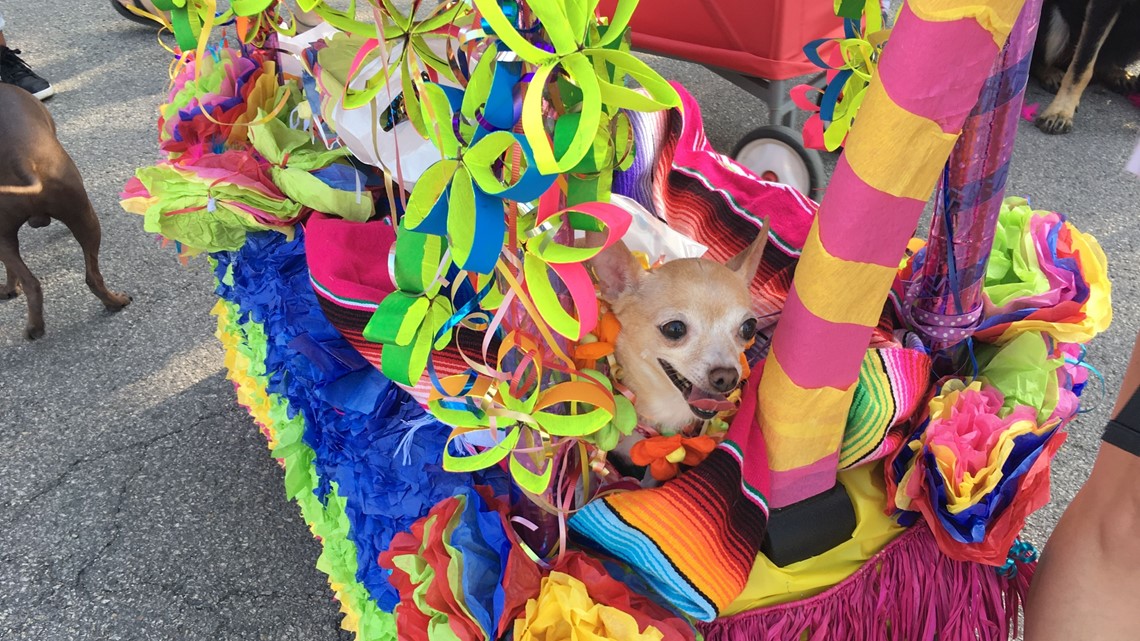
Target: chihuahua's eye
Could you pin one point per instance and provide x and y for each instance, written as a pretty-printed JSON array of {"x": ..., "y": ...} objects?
[
  {"x": 748, "y": 329},
  {"x": 673, "y": 330}
]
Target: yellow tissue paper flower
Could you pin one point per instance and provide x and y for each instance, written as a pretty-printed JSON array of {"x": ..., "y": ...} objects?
[{"x": 564, "y": 610}]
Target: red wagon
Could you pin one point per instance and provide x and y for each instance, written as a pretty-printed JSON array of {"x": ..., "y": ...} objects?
[{"x": 758, "y": 46}]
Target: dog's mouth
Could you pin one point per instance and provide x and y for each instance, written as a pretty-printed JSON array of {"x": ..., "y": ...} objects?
[{"x": 704, "y": 405}]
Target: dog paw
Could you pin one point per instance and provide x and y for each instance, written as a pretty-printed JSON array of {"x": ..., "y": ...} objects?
[
  {"x": 117, "y": 301},
  {"x": 1122, "y": 82},
  {"x": 33, "y": 332},
  {"x": 1051, "y": 79},
  {"x": 1056, "y": 123},
  {"x": 8, "y": 294}
]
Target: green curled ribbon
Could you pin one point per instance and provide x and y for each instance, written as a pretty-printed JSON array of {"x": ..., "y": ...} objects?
[
  {"x": 848, "y": 81},
  {"x": 592, "y": 59},
  {"x": 462, "y": 196},
  {"x": 527, "y": 406},
  {"x": 192, "y": 20},
  {"x": 413, "y": 36},
  {"x": 409, "y": 319}
]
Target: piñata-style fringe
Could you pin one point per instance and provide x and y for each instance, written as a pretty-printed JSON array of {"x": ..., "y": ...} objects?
[{"x": 909, "y": 591}]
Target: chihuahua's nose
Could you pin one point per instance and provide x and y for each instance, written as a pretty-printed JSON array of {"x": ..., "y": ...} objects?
[{"x": 723, "y": 379}]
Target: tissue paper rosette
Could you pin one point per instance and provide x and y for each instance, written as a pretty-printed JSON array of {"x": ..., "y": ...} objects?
[
  {"x": 979, "y": 465},
  {"x": 208, "y": 202},
  {"x": 463, "y": 574},
  {"x": 235, "y": 165},
  {"x": 213, "y": 98},
  {"x": 1044, "y": 276}
]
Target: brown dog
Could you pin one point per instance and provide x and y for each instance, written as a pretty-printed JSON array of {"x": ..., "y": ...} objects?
[{"x": 38, "y": 182}]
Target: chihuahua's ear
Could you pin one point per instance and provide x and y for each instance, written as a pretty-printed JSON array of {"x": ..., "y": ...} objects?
[
  {"x": 615, "y": 267},
  {"x": 747, "y": 262}
]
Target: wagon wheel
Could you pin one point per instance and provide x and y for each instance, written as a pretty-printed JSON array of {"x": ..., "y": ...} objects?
[{"x": 777, "y": 154}]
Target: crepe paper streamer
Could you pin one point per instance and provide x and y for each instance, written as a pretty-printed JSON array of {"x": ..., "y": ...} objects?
[
  {"x": 1044, "y": 276},
  {"x": 213, "y": 100},
  {"x": 850, "y": 67},
  {"x": 863, "y": 226},
  {"x": 1026, "y": 371},
  {"x": 245, "y": 345},
  {"x": 946, "y": 294},
  {"x": 422, "y": 567},
  {"x": 379, "y": 449},
  {"x": 296, "y": 160},
  {"x": 581, "y": 53},
  {"x": 461, "y": 571}
]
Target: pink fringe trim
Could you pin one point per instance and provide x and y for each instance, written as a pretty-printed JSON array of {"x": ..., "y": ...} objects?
[{"x": 909, "y": 591}]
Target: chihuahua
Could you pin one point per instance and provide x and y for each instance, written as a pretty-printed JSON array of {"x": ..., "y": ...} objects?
[{"x": 684, "y": 326}]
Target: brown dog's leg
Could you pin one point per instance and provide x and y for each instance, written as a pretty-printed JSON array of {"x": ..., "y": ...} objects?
[
  {"x": 1058, "y": 117},
  {"x": 85, "y": 228},
  {"x": 8, "y": 290},
  {"x": 10, "y": 251}
]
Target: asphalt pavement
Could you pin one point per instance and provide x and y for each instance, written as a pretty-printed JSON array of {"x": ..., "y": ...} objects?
[{"x": 138, "y": 501}]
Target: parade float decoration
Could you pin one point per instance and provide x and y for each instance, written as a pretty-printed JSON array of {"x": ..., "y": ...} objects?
[{"x": 393, "y": 204}]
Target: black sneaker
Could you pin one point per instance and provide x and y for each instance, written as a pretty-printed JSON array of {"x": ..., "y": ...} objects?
[{"x": 15, "y": 71}]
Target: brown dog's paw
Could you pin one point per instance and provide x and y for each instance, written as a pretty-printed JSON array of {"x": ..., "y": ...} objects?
[
  {"x": 1057, "y": 123},
  {"x": 7, "y": 294},
  {"x": 117, "y": 301},
  {"x": 33, "y": 332}
]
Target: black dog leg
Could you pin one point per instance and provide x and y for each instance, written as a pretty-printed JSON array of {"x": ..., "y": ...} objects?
[{"x": 1058, "y": 117}]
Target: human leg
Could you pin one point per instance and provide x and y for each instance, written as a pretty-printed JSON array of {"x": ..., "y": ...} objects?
[{"x": 1086, "y": 584}]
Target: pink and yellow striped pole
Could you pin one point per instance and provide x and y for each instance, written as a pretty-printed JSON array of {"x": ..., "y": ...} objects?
[{"x": 932, "y": 71}]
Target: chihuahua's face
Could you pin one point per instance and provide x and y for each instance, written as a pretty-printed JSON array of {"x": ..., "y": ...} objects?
[{"x": 684, "y": 326}]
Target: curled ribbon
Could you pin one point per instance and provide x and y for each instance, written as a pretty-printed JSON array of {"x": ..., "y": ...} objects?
[
  {"x": 591, "y": 59},
  {"x": 533, "y": 405},
  {"x": 850, "y": 67},
  {"x": 543, "y": 255},
  {"x": 409, "y": 320}
]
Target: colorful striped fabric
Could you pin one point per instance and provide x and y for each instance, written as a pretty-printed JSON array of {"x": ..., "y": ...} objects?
[
  {"x": 684, "y": 182},
  {"x": 893, "y": 382},
  {"x": 912, "y": 114},
  {"x": 695, "y": 538}
]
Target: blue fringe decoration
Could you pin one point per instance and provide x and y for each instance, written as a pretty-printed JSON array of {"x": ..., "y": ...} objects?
[{"x": 383, "y": 451}]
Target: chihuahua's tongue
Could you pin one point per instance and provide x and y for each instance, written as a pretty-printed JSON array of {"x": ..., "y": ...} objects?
[{"x": 703, "y": 400}]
